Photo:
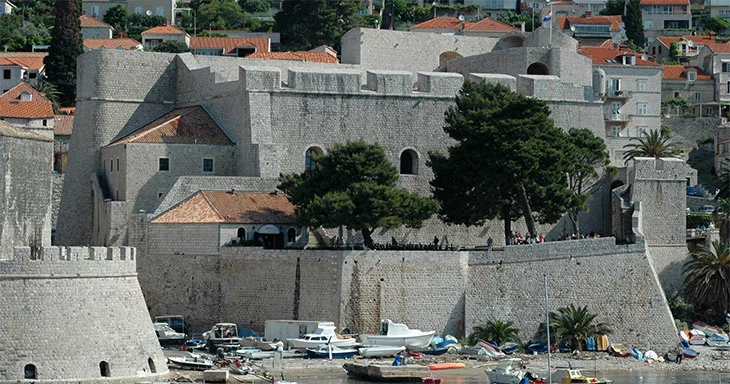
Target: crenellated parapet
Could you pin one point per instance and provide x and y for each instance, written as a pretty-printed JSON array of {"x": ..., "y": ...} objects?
[
  {"x": 70, "y": 261},
  {"x": 649, "y": 168}
]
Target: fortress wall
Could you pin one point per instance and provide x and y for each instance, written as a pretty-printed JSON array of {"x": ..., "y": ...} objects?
[
  {"x": 80, "y": 302},
  {"x": 576, "y": 114},
  {"x": 615, "y": 282},
  {"x": 25, "y": 196}
]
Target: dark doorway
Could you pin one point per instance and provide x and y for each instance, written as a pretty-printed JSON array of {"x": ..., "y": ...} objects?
[
  {"x": 30, "y": 372},
  {"x": 538, "y": 69},
  {"x": 104, "y": 369}
]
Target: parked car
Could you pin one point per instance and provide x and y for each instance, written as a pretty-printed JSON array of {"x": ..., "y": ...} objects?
[{"x": 707, "y": 209}]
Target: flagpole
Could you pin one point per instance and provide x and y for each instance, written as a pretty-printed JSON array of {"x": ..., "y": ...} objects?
[{"x": 550, "y": 45}]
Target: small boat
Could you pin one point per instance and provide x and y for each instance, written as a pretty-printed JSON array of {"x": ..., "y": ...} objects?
[
  {"x": 435, "y": 351},
  {"x": 195, "y": 342},
  {"x": 689, "y": 353},
  {"x": 323, "y": 335},
  {"x": 168, "y": 336},
  {"x": 602, "y": 343},
  {"x": 237, "y": 368},
  {"x": 636, "y": 353},
  {"x": 379, "y": 351},
  {"x": 222, "y": 333},
  {"x": 442, "y": 366},
  {"x": 509, "y": 347},
  {"x": 506, "y": 373},
  {"x": 572, "y": 375},
  {"x": 396, "y": 334},
  {"x": 192, "y": 362},
  {"x": 323, "y": 351},
  {"x": 711, "y": 331},
  {"x": 697, "y": 337},
  {"x": 490, "y": 348},
  {"x": 591, "y": 343},
  {"x": 619, "y": 350}
]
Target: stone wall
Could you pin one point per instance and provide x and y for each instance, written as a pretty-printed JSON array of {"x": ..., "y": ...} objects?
[
  {"x": 71, "y": 310},
  {"x": 688, "y": 131}
]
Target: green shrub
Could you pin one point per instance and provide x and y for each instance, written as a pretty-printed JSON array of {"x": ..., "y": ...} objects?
[{"x": 696, "y": 220}]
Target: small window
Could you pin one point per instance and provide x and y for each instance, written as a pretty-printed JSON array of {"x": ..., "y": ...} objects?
[
  {"x": 6, "y": 74},
  {"x": 111, "y": 166},
  {"x": 104, "y": 369},
  {"x": 309, "y": 161},
  {"x": 726, "y": 67},
  {"x": 409, "y": 162},
  {"x": 676, "y": 94},
  {"x": 291, "y": 235},
  {"x": 138, "y": 10},
  {"x": 615, "y": 131},
  {"x": 160, "y": 11},
  {"x": 117, "y": 164},
  {"x": 698, "y": 96},
  {"x": 151, "y": 363},
  {"x": 241, "y": 233},
  {"x": 641, "y": 85},
  {"x": 725, "y": 147},
  {"x": 45, "y": 122},
  {"x": 164, "y": 164},
  {"x": 641, "y": 108},
  {"x": 692, "y": 76},
  {"x": 32, "y": 75},
  {"x": 29, "y": 373},
  {"x": 159, "y": 195},
  {"x": 207, "y": 165}
]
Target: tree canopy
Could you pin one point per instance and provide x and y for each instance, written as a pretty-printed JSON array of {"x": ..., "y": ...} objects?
[
  {"x": 65, "y": 49},
  {"x": 496, "y": 331},
  {"x": 117, "y": 17},
  {"x": 573, "y": 325},
  {"x": 255, "y": 6},
  {"x": 220, "y": 14},
  {"x": 508, "y": 160},
  {"x": 707, "y": 277},
  {"x": 353, "y": 185},
  {"x": 307, "y": 24},
  {"x": 658, "y": 143},
  {"x": 614, "y": 7},
  {"x": 532, "y": 21},
  {"x": 171, "y": 46},
  {"x": 634, "y": 24}
]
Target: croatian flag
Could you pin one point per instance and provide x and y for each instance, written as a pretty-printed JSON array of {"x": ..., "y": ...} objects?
[{"x": 549, "y": 16}]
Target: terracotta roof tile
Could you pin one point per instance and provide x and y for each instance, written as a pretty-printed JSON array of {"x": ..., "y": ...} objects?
[
  {"x": 443, "y": 23},
  {"x": 23, "y": 54},
  {"x": 615, "y": 21},
  {"x": 719, "y": 47},
  {"x": 697, "y": 40},
  {"x": 489, "y": 24},
  {"x": 664, "y": 2},
  {"x": 164, "y": 30},
  {"x": 63, "y": 124},
  {"x": 601, "y": 55},
  {"x": 37, "y": 108},
  {"x": 27, "y": 62},
  {"x": 312, "y": 57},
  {"x": 228, "y": 207},
  {"x": 8, "y": 130},
  {"x": 87, "y": 21},
  {"x": 121, "y": 43},
  {"x": 229, "y": 44},
  {"x": 679, "y": 72},
  {"x": 190, "y": 125}
]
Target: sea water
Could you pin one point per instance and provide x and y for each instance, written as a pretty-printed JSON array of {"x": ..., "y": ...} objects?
[{"x": 619, "y": 377}]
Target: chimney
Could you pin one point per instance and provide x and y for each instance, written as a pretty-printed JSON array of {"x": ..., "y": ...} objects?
[{"x": 588, "y": 14}]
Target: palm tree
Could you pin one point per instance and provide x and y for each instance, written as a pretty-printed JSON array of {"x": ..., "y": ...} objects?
[
  {"x": 707, "y": 277},
  {"x": 49, "y": 91},
  {"x": 496, "y": 331},
  {"x": 573, "y": 325},
  {"x": 656, "y": 144}
]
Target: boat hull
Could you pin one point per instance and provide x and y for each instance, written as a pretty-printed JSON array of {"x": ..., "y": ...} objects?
[
  {"x": 316, "y": 354},
  {"x": 191, "y": 363},
  {"x": 422, "y": 340},
  {"x": 380, "y": 351},
  {"x": 304, "y": 344}
]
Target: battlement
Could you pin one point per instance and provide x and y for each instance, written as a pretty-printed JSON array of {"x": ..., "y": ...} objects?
[
  {"x": 494, "y": 78},
  {"x": 659, "y": 169},
  {"x": 70, "y": 261}
]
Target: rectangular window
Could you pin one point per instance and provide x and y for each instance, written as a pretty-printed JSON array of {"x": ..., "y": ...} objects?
[
  {"x": 728, "y": 87},
  {"x": 691, "y": 76},
  {"x": 32, "y": 75},
  {"x": 725, "y": 147},
  {"x": 698, "y": 96},
  {"x": 641, "y": 108},
  {"x": 641, "y": 85},
  {"x": 616, "y": 131},
  {"x": 660, "y": 49},
  {"x": 138, "y": 10},
  {"x": 6, "y": 74},
  {"x": 676, "y": 94},
  {"x": 94, "y": 10},
  {"x": 117, "y": 164},
  {"x": 164, "y": 164},
  {"x": 45, "y": 122},
  {"x": 160, "y": 11},
  {"x": 111, "y": 165},
  {"x": 207, "y": 165},
  {"x": 615, "y": 85}
]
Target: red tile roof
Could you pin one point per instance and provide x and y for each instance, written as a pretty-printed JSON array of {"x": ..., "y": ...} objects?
[
  {"x": 189, "y": 125},
  {"x": 615, "y": 21},
  {"x": 443, "y": 23},
  {"x": 697, "y": 40},
  {"x": 229, "y": 207},
  {"x": 27, "y": 60},
  {"x": 601, "y": 55},
  {"x": 719, "y": 47},
  {"x": 664, "y": 2},
  {"x": 87, "y": 21},
  {"x": 679, "y": 72},
  {"x": 121, "y": 43},
  {"x": 37, "y": 108},
  {"x": 63, "y": 124},
  {"x": 164, "y": 30},
  {"x": 489, "y": 24},
  {"x": 229, "y": 44},
  {"x": 312, "y": 57}
]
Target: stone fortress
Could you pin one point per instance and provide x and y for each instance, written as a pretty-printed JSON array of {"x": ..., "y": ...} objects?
[{"x": 153, "y": 131}]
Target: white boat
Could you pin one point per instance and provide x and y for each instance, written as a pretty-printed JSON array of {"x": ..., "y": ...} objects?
[
  {"x": 222, "y": 334},
  {"x": 167, "y": 335},
  {"x": 255, "y": 354},
  {"x": 192, "y": 362},
  {"x": 398, "y": 335},
  {"x": 506, "y": 373},
  {"x": 323, "y": 335},
  {"x": 379, "y": 351}
]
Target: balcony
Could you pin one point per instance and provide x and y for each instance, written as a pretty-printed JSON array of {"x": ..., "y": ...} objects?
[
  {"x": 616, "y": 118},
  {"x": 618, "y": 95}
]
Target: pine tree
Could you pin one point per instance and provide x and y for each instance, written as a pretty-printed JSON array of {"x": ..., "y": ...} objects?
[
  {"x": 634, "y": 24},
  {"x": 65, "y": 48}
]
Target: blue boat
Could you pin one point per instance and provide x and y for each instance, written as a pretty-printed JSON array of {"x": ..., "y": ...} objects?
[
  {"x": 509, "y": 347},
  {"x": 322, "y": 352},
  {"x": 636, "y": 353},
  {"x": 591, "y": 344},
  {"x": 689, "y": 353},
  {"x": 537, "y": 347},
  {"x": 434, "y": 351}
]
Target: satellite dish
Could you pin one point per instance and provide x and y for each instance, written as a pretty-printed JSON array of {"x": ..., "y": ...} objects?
[
  {"x": 148, "y": 13},
  {"x": 572, "y": 28},
  {"x": 461, "y": 17}
]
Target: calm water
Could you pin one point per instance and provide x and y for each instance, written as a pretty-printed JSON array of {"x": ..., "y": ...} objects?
[{"x": 634, "y": 377}]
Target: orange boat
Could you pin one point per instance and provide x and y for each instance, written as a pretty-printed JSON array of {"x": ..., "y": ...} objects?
[{"x": 441, "y": 366}]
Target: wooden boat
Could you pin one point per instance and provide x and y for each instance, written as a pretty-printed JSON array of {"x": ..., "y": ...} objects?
[
  {"x": 619, "y": 350},
  {"x": 572, "y": 376},
  {"x": 191, "y": 362},
  {"x": 396, "y": 334},
  {"x": 385, "y": 373},
  {"x": 442, "y": 366},
  {"x": 323, "y": 352},
  {"x": 323, "y": 335},
  {"x": 711, "y": 331},
  {"x": 379, "y": 351},
  {"x": 602, "y": 343}
]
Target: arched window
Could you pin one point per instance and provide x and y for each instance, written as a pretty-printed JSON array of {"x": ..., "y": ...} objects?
[
  {"x": 151, "y": 363},
  {"x": 409, "y": 162},
  {"x": 291, "y": 235},
  {"x": 29, "y": 372},
  {"x": 104, "y": 369},
  {"x": 538, "y": 69},
  {"x": 309, "y": 163},
  {"x": 241, "y": 233}
]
